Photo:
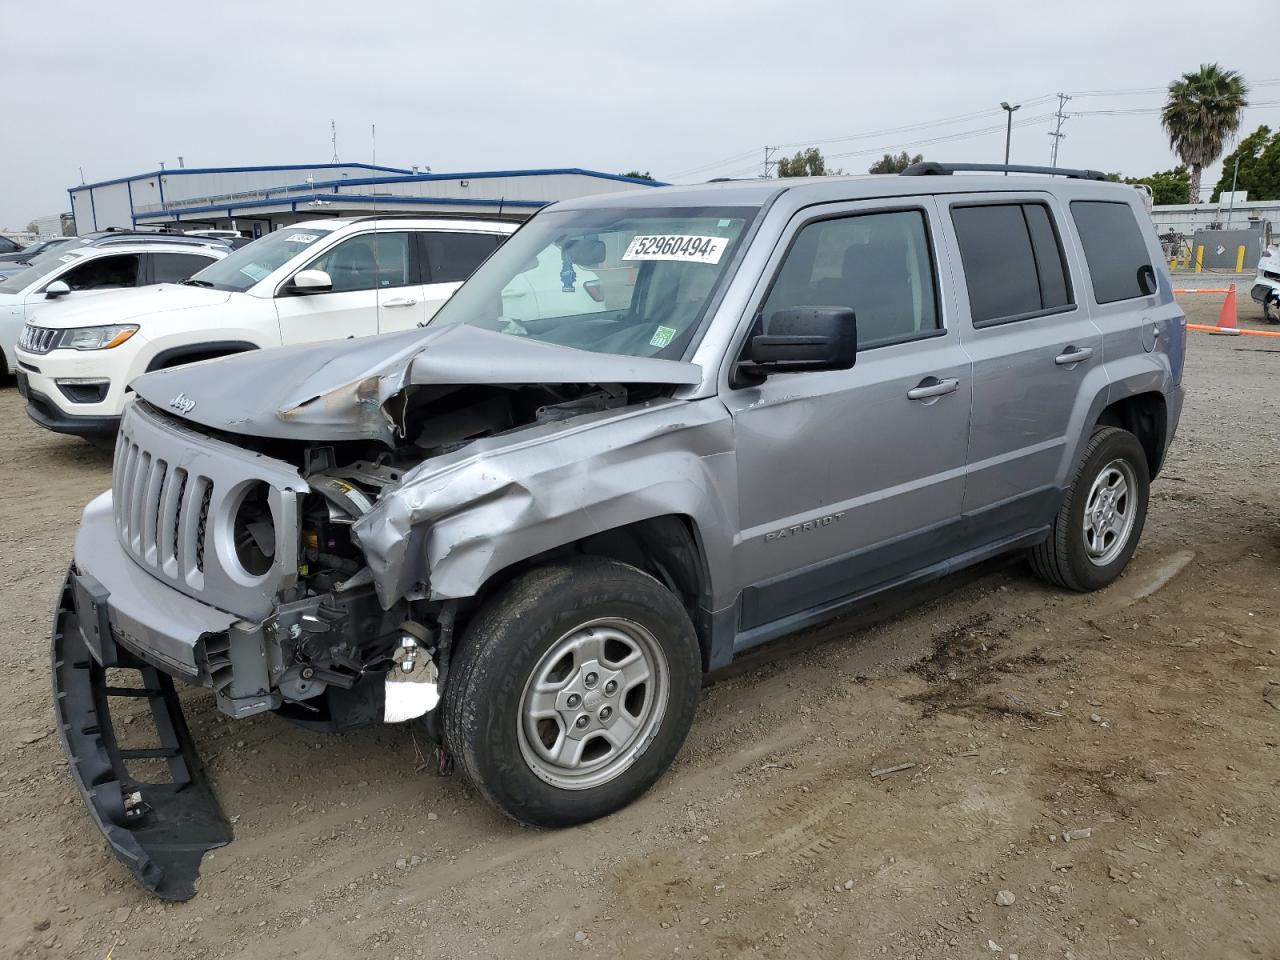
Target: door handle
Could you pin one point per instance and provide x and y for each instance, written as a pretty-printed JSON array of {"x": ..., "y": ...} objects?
[
  {"x": 401, "y": 302},
  {"x": 931, "y": 387},
  {"x": 1073, "y": 355}
]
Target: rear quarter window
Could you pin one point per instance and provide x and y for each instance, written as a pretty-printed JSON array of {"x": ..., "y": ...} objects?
[{"x": 1119, "y": 263}]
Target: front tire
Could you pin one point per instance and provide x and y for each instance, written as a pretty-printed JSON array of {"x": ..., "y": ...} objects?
[
  {"x": 1098, "y": 526},
  {"x": 572, "y": 691}
]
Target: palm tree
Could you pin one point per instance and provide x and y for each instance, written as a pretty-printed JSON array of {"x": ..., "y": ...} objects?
[{"x": 1203, "y": 110}]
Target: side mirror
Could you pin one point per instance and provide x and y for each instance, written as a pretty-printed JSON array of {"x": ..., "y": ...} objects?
[
  {"x": 56, "y": 289},
  {"x": 803, "y": 339},
  {"x": 310, "y": 281}
]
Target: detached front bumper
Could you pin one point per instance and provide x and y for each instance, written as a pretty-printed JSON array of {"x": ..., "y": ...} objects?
[
  {"x": 160, "y": 831},
  {"x": 111, "y": 615}
]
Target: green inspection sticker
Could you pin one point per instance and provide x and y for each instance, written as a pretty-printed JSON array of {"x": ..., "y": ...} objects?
[{"x": 663, "y": 336}]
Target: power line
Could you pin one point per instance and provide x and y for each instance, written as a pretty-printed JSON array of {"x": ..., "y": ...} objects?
[
  {"x": 924, "y": 124},
  {"x": 1060, "y": 117},
  {"x": 908, "y": 128},
  {"x": 711, "y": 166},
  {"x": 944, "y": 138}
]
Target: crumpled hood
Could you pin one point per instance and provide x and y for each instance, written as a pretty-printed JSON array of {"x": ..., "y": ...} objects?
[
  {"x": 127, "y": 306},
  {"x": 336, "y": 390}
]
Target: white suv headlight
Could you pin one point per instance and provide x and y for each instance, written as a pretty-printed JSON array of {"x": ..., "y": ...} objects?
[{"x": 97, "y": 338}]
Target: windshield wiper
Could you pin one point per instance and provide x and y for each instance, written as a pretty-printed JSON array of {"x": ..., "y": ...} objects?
[{"x": 192, "y": 281}]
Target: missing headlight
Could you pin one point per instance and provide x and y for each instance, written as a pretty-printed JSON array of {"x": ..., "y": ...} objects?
[{"x": 253, "y": 531}]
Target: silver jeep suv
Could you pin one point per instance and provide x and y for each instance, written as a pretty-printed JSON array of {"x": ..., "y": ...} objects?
[{"x": 532, "y": 527}]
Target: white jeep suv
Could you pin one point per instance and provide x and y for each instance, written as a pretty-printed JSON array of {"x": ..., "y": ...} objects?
[
  {"x": 111, "y": 260},
  {"x": 317, "y": 280}
]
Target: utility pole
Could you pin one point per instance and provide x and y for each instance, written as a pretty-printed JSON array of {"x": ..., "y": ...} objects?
[
  {"x": 333, "y": 139},
  {"x": 1057, "y": 133},
  {"x": 768, "y": 161}
]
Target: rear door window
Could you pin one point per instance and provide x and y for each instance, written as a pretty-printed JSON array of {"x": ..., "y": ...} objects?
[
  {"x": 1119, "y": 263},
  {"x": 1013, "y": 262},
  {"x": 172, "y": 267},
  {"x": 117, "y": 270},
  {"x": 452, "y": 257}
]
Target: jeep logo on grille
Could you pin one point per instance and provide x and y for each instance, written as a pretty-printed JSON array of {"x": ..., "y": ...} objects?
[{"x": 182, "y": 403}]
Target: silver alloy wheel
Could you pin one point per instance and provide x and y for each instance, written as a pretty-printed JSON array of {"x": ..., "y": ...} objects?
[
  {"x": 593, "y": 703},
  {"x": 1109, "y": 512}
]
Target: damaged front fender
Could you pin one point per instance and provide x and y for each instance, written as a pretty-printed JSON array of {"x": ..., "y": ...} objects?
[{"x": 455, "y": 521}]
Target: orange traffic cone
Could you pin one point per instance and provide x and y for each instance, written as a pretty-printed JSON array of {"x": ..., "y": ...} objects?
[{"x": 1227, "y": 316}]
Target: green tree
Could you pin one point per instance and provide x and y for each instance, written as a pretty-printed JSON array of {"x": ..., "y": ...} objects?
[
  {"x": 1167, "y": 186},
  {"x": 637, "y": 175},
  {"x": 1259, "y": 156},
  {"x": 895, "y": 164},
  {"x": 1202, "y": 111},
  {"x": 806, "y": 163}
]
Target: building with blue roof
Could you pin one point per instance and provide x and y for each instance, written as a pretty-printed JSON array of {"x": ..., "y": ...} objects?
[{"x": 257, "y": 200}]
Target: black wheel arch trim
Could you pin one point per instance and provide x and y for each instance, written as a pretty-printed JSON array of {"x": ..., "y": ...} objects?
[{"x": 166, "y": 358}]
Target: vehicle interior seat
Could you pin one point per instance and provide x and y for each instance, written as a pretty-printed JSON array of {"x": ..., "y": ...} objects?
[{"x": 876, "y": 283}]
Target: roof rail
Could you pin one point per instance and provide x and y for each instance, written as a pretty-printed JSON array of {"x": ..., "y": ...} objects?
[
  {"x": 410, "y": 215},
  {"x": 930, "y": 168},
  {"x": 169, "y": 239}
]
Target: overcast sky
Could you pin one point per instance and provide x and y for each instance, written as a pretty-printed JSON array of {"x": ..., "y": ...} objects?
[{"x": 686, "y": 90}]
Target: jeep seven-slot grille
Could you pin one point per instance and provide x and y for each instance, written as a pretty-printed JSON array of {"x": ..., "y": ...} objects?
[
  {"x": 161, "y": 511},
  {"x": 38, "y": 339}
]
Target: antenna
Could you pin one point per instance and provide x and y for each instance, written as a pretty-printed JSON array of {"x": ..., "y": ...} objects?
[
  {"x": 181, "y": 164},
  {"x": 373, "y": 140},
  {"x": 333, "y": 139},
  {"x": 1056, "y": 132},
  {"x": 82, "y": 174}
]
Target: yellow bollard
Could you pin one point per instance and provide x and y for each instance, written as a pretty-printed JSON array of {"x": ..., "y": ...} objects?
[
  {"x": 1173, "y": 264},
  {"x": 1240, "y": 259},
  {"x": 1199, "y": 258}
]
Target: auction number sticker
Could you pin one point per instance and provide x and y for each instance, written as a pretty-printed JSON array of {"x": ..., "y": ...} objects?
[
  {"x": 677, "y": 246},
  {"x": 301, "y": 238}
]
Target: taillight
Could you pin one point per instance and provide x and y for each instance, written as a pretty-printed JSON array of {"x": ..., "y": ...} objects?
[{"x": 593, "y": 290}]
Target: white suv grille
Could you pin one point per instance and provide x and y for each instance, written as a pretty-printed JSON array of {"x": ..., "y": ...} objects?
[{"x": 39, "y": 339}]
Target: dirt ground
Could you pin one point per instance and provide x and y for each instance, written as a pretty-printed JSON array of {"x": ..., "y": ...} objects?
[{"x": 1132, "y": 721}]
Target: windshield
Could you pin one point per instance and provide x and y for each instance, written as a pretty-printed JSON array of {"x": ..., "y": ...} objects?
[
  {"x": 40, "y": 267},
  {"x": 254, "y": 261},
  {"x": 634, "y": 281}
]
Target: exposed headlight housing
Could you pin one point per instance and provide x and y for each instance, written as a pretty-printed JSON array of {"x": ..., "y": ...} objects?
[{"x": 97, "y": 338}]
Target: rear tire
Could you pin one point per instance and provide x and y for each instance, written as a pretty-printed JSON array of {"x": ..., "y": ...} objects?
[
  {"x": 1098, "y": 526},
  {"x": 548, "y": 710}
]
